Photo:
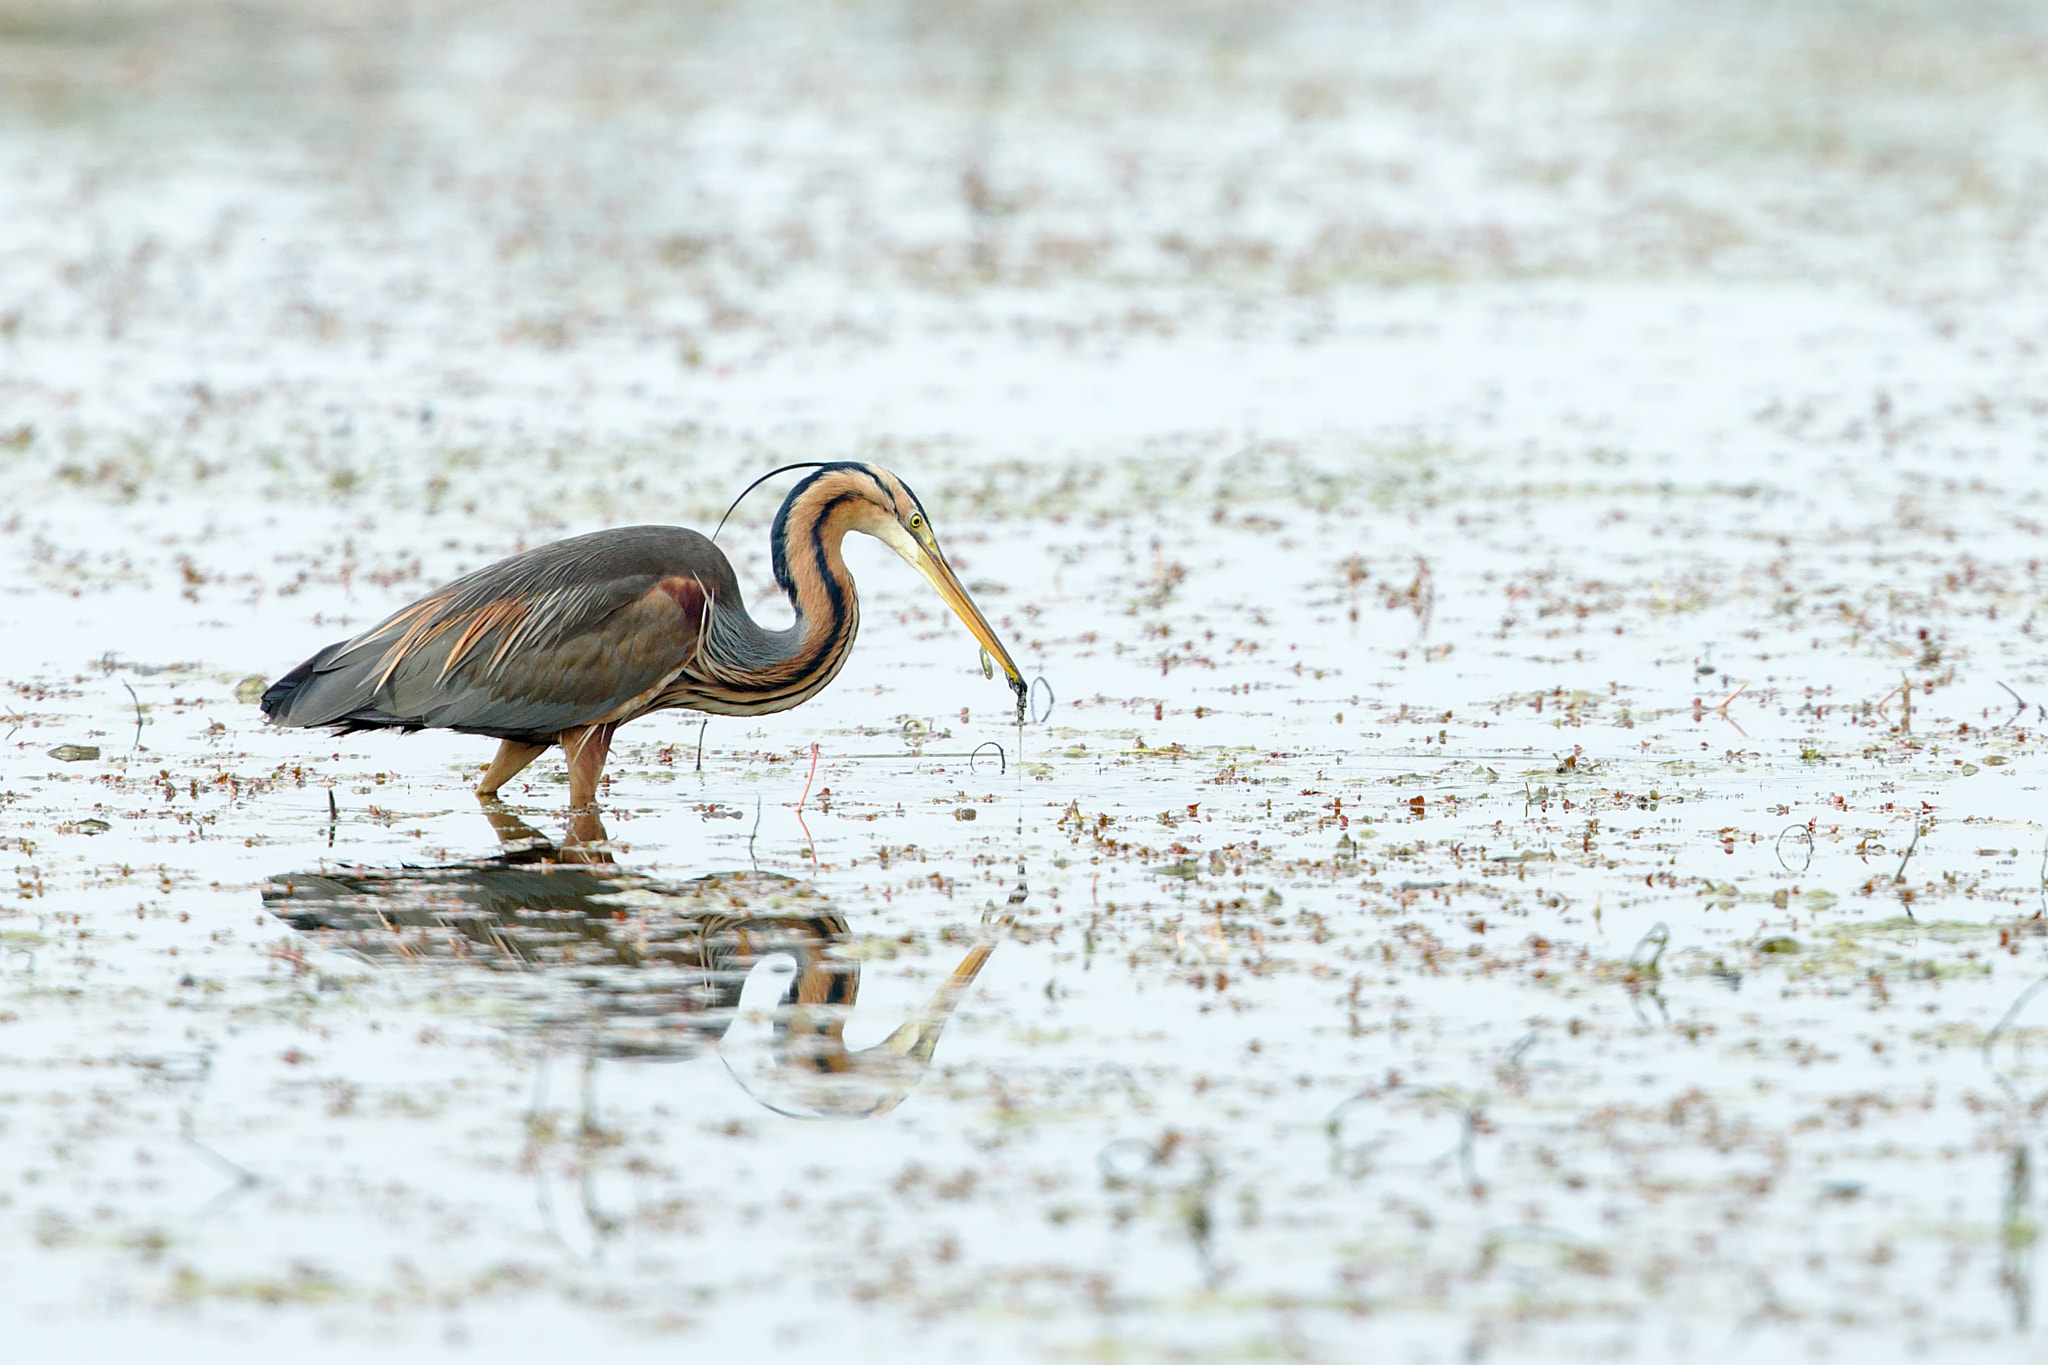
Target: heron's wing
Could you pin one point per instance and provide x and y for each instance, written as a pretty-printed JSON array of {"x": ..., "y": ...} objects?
[
  {"x": 541, "y": 663},
  {"x": 522, "y": 650}
]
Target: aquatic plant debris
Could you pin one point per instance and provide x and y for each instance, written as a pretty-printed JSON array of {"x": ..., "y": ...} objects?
[{"x": 1534, "y": 521}]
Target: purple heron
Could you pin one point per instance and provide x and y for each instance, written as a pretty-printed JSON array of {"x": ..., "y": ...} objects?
[{"x": 565, "y": 643}]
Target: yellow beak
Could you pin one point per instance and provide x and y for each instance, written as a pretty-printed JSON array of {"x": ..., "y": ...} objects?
[
  {"x": 929, "y": 561},
  {"x": 940, "y": 575}
]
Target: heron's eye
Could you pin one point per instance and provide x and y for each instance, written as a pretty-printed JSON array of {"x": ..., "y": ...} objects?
[{"x": 916, "y": 521}]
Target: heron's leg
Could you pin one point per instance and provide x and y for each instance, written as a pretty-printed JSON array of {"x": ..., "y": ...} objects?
[
  {"x": 586, "y": 747},
  {"x": 511, "y": 761}
]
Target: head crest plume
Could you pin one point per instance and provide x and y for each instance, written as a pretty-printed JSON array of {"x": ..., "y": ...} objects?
[{"x": 800, "y": 464}]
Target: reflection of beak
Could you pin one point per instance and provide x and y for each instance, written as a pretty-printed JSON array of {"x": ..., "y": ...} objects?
[
  {"x": 940, "y": 575},
  {"x": 799, "y": 1064}
]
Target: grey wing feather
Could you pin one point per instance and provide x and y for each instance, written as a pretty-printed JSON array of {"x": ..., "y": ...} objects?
[{"x": 557, "y": 637}]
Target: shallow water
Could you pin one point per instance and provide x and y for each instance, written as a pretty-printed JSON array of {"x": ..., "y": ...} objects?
[{"x": 1531, "y": 847}]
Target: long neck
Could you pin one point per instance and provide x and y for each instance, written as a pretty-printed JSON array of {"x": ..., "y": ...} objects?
[{"x": 751, "y": 670}]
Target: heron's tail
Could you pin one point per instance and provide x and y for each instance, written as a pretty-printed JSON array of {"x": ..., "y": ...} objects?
[{"x": 322, "y": 692}]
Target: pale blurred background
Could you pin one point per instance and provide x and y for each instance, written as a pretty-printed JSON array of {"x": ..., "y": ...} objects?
[{"x": 1039, "y": 253}]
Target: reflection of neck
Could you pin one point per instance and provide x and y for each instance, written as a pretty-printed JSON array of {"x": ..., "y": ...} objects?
[{"x": 809, "y": 1072}]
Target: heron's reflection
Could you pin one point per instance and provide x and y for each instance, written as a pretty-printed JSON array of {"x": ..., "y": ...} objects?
[{"x": 619, "y": 965}]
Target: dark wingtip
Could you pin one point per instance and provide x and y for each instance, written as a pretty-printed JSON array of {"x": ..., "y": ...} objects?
[{"x": 279, "y": 694}]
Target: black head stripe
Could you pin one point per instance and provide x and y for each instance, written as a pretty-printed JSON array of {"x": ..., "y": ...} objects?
[
  {"x": 917, "y": 502},
  {"x": 883, "y": 484},
  {"x": 778, "y": 535}
]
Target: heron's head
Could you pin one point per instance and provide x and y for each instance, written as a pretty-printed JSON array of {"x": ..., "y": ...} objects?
[{"x": 861, "y": 497}]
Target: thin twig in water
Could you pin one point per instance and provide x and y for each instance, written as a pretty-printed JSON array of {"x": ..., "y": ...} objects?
[
  {"x": 138, "y": 718},
  {"x": 2018, "y": 1234},
  {"x": 750, "y": 838},
  {"x": 1904, "y": 691},
  {"x": 1649, "y": 950},
  {"x": 2019, "y": 706},
  {"x": 2004, "y": 1021},
  {"x": 1419, "y": 597},
  {"x": 1722, "y": 710},
  {"x": 1510, "y": 1068},
  {"x": 244, "y": 1178},
  {"x": 808, "y": 778},
  {"x": 809, "y": 838},
  {"x": 1468, "y": 1138},
  {"x": 701, "y": 728},
  {"x": 1899, "y": 878}
]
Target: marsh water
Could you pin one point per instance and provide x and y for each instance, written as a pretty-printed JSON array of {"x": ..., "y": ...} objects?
[{"x": 1529, "y": 844}]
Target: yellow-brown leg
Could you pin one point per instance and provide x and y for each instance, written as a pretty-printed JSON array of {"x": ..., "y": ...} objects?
[
  {"x": 586, "y": 747},
  {"x": 511, "y": 761}
]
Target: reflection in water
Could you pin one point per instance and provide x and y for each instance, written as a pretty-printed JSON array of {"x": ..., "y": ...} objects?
[
  {"x": 619, "y": 965},
  {"x": 2011, "y": 1052},
  {"x": 2016, "y": 1234}
]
